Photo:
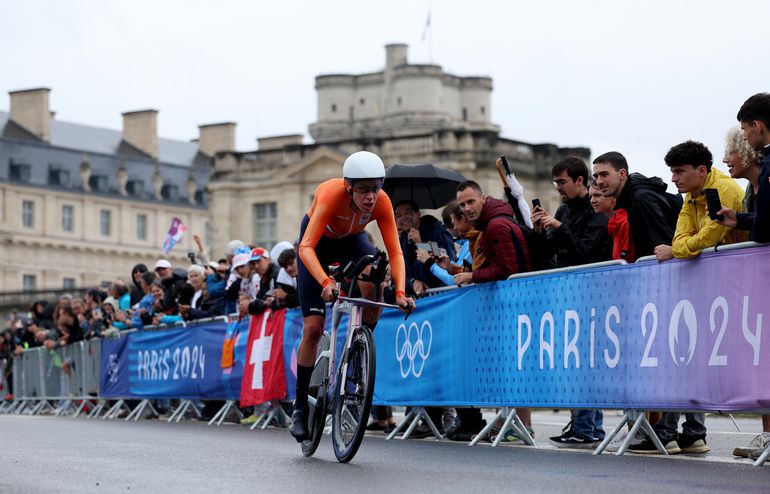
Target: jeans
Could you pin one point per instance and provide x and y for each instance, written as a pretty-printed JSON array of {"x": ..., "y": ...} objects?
[
  {"x": 588, "y": 424},
  {"x": 694, "y": 425}
]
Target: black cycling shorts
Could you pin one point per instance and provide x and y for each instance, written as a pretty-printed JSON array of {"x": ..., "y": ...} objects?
[{"x": 329, "y": 251}]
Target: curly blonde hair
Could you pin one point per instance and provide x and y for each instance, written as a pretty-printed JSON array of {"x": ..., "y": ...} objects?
[{"x": 736, "y": 143}]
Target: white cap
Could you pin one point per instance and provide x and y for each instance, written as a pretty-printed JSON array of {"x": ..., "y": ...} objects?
[
  {"x": 241, "y": 260},
  {"x": 162, "y": 263}
]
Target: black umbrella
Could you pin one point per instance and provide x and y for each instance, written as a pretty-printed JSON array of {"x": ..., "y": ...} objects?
[{"x": 431, "y": 187}]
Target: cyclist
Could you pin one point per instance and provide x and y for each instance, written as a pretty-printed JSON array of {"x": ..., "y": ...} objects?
[{"x": 333, "y": 231}]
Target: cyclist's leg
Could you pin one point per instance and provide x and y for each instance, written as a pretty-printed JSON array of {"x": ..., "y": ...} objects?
[{"x": 356, "y": 247}]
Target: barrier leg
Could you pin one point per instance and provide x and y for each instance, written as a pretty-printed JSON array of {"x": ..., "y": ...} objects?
[
  {"x": 63, "y": 407},
  {"x": 641, "y": 421},
  {"x": 276, "y": 414},
  {"x": 136, "y": 414},
  {"x": 402, "y": 424},
  {"x": 222, "y": 414},
  {"x": 609, "y": 437},
  {"x": 419, "y": 413},
  {"x": 488, "y": 428},
  {"x": 763, "y": 457},
  {"x": 114, "y": 411},
  {"x": 97, "y": 409},
  {"x": 181, "y": 410},
  {"x": 83, "y": 403},
  {"x": 519, "y": 426}
]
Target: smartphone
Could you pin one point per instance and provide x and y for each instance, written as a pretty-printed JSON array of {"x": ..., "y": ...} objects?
[
  {"x": 423, "y": 246},
  {"x": 713, "y": 203},
  {"x": 535, "y": 203},
  {"x": 467, "y": 264},
  {"x": 434, "y": 249}
]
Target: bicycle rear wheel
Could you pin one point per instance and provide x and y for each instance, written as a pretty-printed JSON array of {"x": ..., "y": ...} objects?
[
  {"x": 316, "y": 420},
  {"x": 351, "y": 407}
]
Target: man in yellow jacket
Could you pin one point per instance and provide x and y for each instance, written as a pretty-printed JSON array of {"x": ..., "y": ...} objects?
[
  {"x": 691, "y": 171},
  {"x": 690, "y": 163}
]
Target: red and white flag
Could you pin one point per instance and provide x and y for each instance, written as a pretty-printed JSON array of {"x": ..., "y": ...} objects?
[{"x": 264, "y": 376}]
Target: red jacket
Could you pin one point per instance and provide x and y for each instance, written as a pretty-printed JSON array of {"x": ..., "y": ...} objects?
[
  {"x": 622, "y": 245},
  {"x": 496, "y": 242}
]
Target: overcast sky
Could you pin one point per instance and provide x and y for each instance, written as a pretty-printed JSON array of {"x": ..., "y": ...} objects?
[{"x": 611, "y": 75}]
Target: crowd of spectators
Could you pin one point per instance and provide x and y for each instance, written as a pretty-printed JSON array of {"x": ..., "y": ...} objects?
[{"x": 607, "y": 213}]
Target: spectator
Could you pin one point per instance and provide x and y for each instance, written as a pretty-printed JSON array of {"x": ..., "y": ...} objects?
[
  {"x": 691, "y": 171},
  {"x": 239, "y": 284},
  {"x": 203, "y": 304},
  {"x": 142, "y": 313},
  {"x": 42, "y": 314},
  {"x": 286, "y": 283},
  {"x": 576, "y": 235},
  {"x": 501, "y": 241},
  {"x": 173, "y": 283},
  {"x": 415, "y": 229},
  {"x": 442, "y": 268},
  {"x": 136, "y": 291},
  {"x": 622, "y": 247},
  {"x": 268, "y": 275},
  {"x": 652, "y": 212},
  {"x": 505, "y": 252},
  {"x": 754, "y": 117},
  {"x": 67, "y": 328}
]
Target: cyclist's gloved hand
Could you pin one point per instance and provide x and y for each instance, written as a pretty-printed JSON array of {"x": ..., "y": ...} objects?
[
  {"x": 328, "y": 292},
  {"x": 406, "y": 304}
]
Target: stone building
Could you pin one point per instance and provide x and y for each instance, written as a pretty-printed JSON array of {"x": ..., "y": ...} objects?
[
  {"x": 406, "y": 113},
  {"x": 80, "y": 205}
]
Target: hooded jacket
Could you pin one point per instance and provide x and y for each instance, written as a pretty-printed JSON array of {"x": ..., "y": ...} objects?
[
  {"x": 431, "y": 230},
  {"x": 496, "y": 243},
  {"x": 652, "y": 212},
  {"x": 137, "y": 294},
  {"x": 582, "y": 237}
]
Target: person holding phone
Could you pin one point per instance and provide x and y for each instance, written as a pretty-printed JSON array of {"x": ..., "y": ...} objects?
[{"x": 691, "y": 171}]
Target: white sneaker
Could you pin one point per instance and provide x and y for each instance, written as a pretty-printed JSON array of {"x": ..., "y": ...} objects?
[{"x": 758, "y": 444}]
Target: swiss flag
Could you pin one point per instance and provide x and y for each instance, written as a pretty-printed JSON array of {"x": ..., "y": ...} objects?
[{"x": 264, "y": 375}]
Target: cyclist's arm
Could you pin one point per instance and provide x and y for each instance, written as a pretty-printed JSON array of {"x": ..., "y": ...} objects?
[
  {"x": 387, "y": 224},
  {"x": 313, "y": 233}
]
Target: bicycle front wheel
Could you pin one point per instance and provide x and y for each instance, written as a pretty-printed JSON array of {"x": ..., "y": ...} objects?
[{"x": 352, "y": 405}]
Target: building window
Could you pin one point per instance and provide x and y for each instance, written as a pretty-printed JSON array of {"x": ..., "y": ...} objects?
[
  {"x": 135, "y": 187},
  {"x": 19, "y": 172},
  {"x": 58, "y": 176},
  {"x": 141, "y": 226},
  {"x": 201, "y": 197},
  {"x": 465, "y": 114},
  {"x": 28, "y": 214},
  {"x": 334, "y": 108},
  {"x": 68, "y": 283},
  {"x": 362, "y": 101},
  {"x": 105, "y": 218},
  {"x": 29, "y": 282},
  {"x": 266, "y": 225},
  {"x": 67, "y": 218},
  {"x": 170, "y": 192},
  {"x": 208, "y": 235},
  {"x": 483, "y": 110},
  {"x": 398, "y": 101},
  {"x": 98, "y": 183}
]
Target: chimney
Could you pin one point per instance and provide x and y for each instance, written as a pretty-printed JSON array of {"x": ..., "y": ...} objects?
[
  {"x": 395, "y": 55},
  {"x": 216, "y": 137},
  {"x": 140, "y": 129},
  {"x": 29, "y": 109},
  {"x": 278, "y": 142}
]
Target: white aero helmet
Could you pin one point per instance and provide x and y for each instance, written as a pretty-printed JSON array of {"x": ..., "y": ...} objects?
[{"x": 362, "y": 165}]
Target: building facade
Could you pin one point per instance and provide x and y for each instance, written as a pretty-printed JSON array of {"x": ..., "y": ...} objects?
[
  {"x": 80, "y": 205},
  {"x": 405, "y": 113}
]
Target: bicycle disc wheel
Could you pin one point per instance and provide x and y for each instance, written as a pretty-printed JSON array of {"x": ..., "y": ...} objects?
[
  {"x": 316, "y": 419},
  {"x": 351, "y": 408}
]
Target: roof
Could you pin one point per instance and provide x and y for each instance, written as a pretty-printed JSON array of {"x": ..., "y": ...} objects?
[{"x": 85, "y": 138}]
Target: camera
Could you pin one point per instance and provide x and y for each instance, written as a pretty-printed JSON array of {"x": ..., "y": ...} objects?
[{"x": 191, "y": 256}]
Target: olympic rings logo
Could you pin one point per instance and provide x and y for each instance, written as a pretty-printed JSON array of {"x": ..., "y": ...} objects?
[{"x": 413, "y": 347}]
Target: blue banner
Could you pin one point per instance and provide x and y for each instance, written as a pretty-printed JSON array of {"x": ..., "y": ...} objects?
[
  {"x": 184, "y": 363},
  {"x": 113, "y": 378},
  {"x": 680, "y": 335}
]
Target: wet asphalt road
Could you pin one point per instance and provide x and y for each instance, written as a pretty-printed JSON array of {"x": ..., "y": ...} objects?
[{"x": 48, "y": 454}]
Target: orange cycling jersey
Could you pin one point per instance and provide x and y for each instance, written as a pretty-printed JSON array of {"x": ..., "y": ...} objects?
[{"x": 333, "y": 215}]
